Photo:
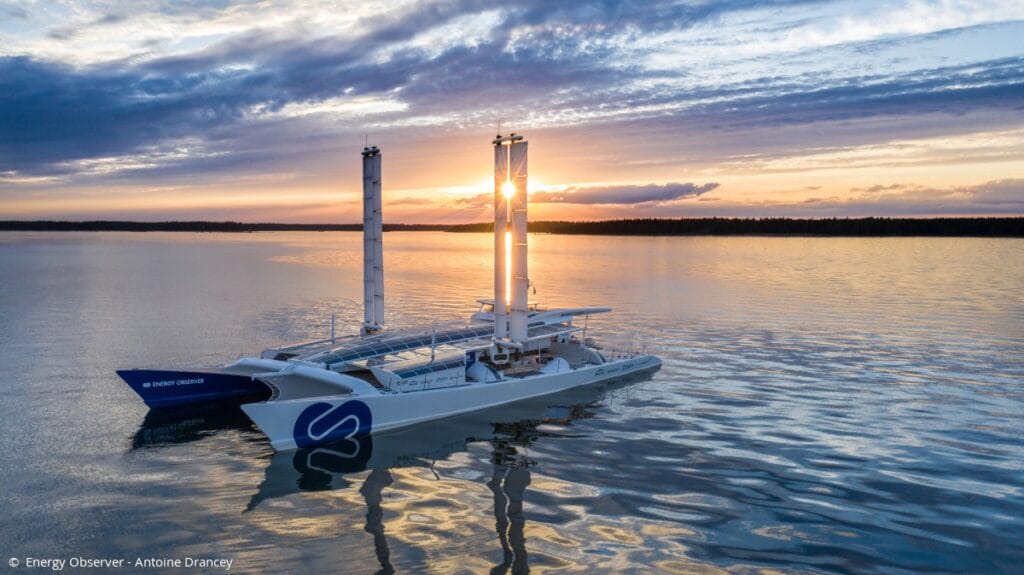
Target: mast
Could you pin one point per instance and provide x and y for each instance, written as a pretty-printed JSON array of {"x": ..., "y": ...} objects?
[
  {"x": 520, "y": 278},
  {"x": 511, "y": 278},
  {"x": 378, "y": 252},
  {"x": 373, "y": 249},
  {"x": 500, "y": 224}
]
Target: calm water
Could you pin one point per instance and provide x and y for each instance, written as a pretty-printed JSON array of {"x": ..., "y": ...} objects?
[{"x": 825, "y": 406}]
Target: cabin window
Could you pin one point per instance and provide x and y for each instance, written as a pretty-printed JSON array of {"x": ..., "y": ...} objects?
[{"x": 487, "y": 308}]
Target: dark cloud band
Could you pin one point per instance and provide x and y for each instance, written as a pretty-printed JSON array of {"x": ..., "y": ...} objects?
[{"x": 612, "y": 195}]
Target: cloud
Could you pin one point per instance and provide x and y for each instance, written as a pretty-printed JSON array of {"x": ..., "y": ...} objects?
[
  {"x": 12, "y": 10},
  {"x": 410, "y": 202},
  {"x": 619, "y": 195},
  {"x": 622, "y": 195},
  {"x": 567, "y": 62},
  {"x": 994, "y": 198},
  {"x": 69, "y": 31},
  {"x": 882, "y": 188},
  {"x": 1005, "y": 194},
  {"x": 170, "y": 92},
  {"x": 52, "y": 114},
  {"x": 997, "y": 197}
]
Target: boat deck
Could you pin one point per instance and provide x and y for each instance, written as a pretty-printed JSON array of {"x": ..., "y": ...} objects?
[{"x": 295, "y": 387}]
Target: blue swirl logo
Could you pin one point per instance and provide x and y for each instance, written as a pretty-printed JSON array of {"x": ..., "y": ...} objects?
[{"x": 322, "y": 422}]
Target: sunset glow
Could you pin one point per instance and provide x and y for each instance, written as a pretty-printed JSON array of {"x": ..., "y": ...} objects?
[{"x": 258, "y": 112}]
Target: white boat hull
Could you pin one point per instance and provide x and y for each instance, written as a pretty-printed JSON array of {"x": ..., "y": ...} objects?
[{"x": 306, "y": 422}]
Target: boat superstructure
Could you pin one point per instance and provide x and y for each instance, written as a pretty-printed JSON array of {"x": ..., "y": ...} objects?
[{"x": 510, "y": 350}]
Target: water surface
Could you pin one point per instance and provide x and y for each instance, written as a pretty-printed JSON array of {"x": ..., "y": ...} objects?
[{"x": 826, "y": 405}]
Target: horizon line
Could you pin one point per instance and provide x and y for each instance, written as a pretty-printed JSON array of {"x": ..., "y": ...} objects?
[
  {"x": 842, "y": 227},
  {"x": 487, "y": 222}
]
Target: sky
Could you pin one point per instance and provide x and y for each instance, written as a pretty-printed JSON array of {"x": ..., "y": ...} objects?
[{"x": 258, "y": 111}]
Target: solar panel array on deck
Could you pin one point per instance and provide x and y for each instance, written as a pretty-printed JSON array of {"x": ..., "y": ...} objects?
[
  {"x": 397, "y": 344},
  {"x": 430, "y": 367}
]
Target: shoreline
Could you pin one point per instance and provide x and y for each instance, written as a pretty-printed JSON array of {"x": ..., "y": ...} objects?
[{"x": 830, "y": 227}]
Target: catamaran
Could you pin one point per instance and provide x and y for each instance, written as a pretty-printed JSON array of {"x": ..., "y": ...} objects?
[{"x": 333, "y": 390}]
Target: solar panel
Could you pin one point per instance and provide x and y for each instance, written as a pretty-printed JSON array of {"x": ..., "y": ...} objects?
[
  {"x": 402, "y": 343},
  {"x": 390, "y": 344},
  {"x": 430, "y": 368}
]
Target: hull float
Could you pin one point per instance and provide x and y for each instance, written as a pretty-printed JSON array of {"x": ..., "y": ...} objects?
[{"x": 165, "y": 388}]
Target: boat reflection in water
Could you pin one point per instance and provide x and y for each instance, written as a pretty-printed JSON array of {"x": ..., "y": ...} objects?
[
  {"x": 510, "y": 478},
  {"x": 184, "y": 425},
  {"x": 508, "y": 483},
  {"x": 507, "y": 431},
  {"x": 518, "y": 426},
  {"x": 326, "y": 467}
]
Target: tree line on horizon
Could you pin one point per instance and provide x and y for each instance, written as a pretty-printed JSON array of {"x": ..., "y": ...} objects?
[
  {"x": 995, "y": 226},
  {"x": 946, "y": 226}
]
